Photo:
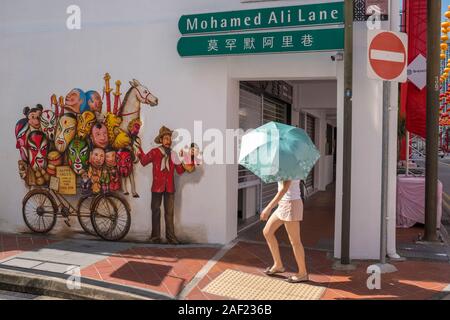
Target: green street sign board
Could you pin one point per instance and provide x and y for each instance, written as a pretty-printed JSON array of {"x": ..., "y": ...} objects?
[
  {"x": 263, "y": 42},
  {"x": 265, "y": 18}
]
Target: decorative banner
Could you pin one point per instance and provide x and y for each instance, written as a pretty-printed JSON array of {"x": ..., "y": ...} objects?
[
  {"x": 265, "y": 42},
  {"x": 414, "y": 101},
  {"x": 67, "y": 180},
  {"x": 266, "y": 18}
]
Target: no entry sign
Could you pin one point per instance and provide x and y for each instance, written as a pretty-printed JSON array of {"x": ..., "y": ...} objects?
[{"x": 387, "y": 55}]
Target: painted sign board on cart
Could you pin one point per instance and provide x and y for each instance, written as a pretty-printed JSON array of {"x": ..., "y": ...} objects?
[{"x": 387, "y": 54}]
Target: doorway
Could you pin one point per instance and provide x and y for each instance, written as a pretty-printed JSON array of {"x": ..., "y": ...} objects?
[
  {"x": 312, "y": 107},
  {"x": 260, "y": 102}
]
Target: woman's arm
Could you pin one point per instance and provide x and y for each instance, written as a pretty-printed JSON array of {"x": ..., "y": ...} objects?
[{"x": 268, "y": 210}]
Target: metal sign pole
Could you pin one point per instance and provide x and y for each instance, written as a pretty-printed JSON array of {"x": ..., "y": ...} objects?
[
  {"x": 383, "y": 266},
  {"x": 347, "y": 150},
  {"x": 385, "y": 171}
]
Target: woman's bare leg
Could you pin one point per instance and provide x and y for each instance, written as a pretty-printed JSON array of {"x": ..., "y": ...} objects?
[
  {"x": 293, "y": 231},
  {"x": 269, "y": 233}
]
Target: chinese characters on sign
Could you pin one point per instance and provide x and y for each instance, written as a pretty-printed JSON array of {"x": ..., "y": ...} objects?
[
  {"x": 267, "y": 42},
  {"x": 210, "y": 34}
]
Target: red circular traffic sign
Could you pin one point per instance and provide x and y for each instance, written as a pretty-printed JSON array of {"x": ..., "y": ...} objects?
[{"x": 387, "y": 56}]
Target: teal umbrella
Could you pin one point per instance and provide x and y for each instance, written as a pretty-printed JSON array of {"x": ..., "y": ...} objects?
[{"x": 278, "y": 152}]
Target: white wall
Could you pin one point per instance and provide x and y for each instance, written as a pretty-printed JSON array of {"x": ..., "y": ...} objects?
[
  {"x": 318, "y": 94},
  {"x": 135, "y": 39}
]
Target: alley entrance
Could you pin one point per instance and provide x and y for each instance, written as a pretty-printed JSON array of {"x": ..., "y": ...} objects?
[{"x": 310, "y": 105}]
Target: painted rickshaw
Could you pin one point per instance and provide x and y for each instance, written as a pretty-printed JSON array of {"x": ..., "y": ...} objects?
[
  {"x": 73, "y": 146},
  {"x": 106, "y": 215}
]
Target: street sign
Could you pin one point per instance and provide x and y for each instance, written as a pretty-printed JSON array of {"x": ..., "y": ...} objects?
[
  {"x": 387, "y": 55},
  {"x": 417, "y": 72},
  {"x": 264, "y": 18},
  {"x": 262, "y": 42}
]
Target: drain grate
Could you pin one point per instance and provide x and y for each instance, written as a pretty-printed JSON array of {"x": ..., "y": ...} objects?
[{"x": 244, "y": 286}]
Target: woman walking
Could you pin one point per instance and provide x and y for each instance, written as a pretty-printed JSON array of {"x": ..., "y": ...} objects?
[{"x": 289, "y": 213}]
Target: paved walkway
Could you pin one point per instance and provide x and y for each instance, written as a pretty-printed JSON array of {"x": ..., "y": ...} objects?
[{"x": 183, "y": 272}]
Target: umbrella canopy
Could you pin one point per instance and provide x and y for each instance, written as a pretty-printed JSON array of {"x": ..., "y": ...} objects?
[{"x": 278, "y": 152}]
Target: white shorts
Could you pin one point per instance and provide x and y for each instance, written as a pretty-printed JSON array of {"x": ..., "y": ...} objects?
[{"x": 290, "y": 210}]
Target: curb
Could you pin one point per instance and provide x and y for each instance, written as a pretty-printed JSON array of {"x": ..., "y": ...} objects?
[{"x": 54, "y": 286}]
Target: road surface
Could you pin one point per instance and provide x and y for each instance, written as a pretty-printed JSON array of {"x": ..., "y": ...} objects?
[{"x": 9, "y": 295}]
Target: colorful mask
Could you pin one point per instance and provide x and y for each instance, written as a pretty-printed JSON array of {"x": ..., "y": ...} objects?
[
  {"x": 100, "y": 135},
  {"x": 21, "y": 131},
  {"x": 110, "y": 158},
  {"x": 65, "y": 131},
  {"x": 48, "y": 121},
  {"x": 94, "y": 101},
  {"x": 37, "y": 144},
  {"x": 124, "y": 162},
  {"x": 97, "y": 157},
  {"x": 76, "y": 101},
  {"x": 86, "y": 121},
  {"x": 78, "y": 155},
  {"x": 33, "y": 115},
  {"x": 134, "y": 127}
]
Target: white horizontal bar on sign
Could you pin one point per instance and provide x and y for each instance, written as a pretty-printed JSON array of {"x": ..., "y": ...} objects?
[{"x": 387, "y": 55}]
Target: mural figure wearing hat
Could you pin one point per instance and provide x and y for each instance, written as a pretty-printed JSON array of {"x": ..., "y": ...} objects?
[{"x": 163, "y": 187}]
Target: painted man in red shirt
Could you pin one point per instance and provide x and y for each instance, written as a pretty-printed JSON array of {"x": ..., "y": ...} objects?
[{"x": 163, "y": 184}]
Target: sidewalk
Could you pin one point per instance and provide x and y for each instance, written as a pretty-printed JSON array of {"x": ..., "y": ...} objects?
[{"x": 189, "y": 271}]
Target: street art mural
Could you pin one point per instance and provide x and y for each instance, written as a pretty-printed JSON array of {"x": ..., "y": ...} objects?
[{"x": 76, "y": 148}]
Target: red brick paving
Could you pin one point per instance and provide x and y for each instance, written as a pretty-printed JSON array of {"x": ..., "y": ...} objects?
[
  {"x": 414, "y": 280},
  {"x": 13, "y": 244},
  {"x": 166, "y": 270}
]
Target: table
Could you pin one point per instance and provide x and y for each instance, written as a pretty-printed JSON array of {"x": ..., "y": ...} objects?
[{"x": 411, "y": 201}]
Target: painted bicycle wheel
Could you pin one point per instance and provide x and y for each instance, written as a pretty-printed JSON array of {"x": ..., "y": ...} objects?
[
  {"x": 39, "y": 211},
  {"x": 84, "y": 215},
  {"x": 111, "y": 217}
]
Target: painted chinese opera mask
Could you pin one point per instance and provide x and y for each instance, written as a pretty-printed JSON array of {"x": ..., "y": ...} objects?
[
  {"x": 100, "y": 136},
  {"x": 37, "y": 144},
  {"x": 97, "y": 157},
  {"x": 110, "y": 158},
  {"x": 21, "y": 131},
  {"x": 48, "y": 122},
  {"x": 86, "y": 121},
  {"x": 94, "y": 101},
  {"x": 65, "y": 131},
  {"x": 78, "y": 155},
  {"x": 124, "y": 162},
  {"x": 76, "y": 101},
  {"x": 134, "y": 127},
  {"x": 33, "y": 115}
]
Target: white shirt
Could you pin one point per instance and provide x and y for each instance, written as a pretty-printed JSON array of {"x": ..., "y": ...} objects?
[{"x": 293, "y": 192}]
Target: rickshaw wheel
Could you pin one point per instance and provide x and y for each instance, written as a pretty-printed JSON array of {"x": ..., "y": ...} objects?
[
  {"x": 39, "y": 210},
  {"x": 84, "y": 215},
  {"x": 111, "y": 217}
]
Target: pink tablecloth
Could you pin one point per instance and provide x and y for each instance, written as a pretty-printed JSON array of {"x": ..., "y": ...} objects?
[{"x": 411, "y": 201}]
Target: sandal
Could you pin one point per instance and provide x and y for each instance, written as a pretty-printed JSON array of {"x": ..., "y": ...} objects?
[
  {"x": 295, "y": 279},
  {"x": 270, "y": 272}
]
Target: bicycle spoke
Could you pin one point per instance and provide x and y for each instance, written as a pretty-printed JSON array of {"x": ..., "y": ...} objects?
[{"x": 43, "y": 222}]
